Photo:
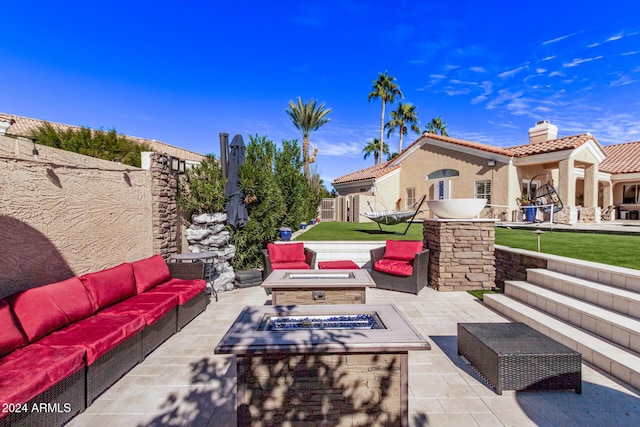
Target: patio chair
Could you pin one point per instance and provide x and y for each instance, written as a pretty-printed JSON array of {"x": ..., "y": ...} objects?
[
  {"x": 287, "y": 256},
  {"x": 400, "y": 266},
  {"x": 607, "y": 213}
]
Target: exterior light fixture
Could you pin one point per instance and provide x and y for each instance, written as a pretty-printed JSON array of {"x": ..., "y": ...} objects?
[
  {"x": 35, "y": 151},
  {"x": 174, "y": 164},
  {"x": 182, "y": 168},
  {"x": 491, "y": 163}
]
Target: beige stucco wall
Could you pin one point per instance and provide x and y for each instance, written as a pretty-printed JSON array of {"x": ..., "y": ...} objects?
[{"x": 66, "y": 214}]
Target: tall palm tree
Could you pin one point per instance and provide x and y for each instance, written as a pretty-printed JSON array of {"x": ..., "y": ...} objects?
[
  {"x": 404, "y": 116},
  {"x": 307, "y": 118},
  {"x": 385, "y": 89},
  {"x": 373, "y": 147},
  {"x": 437, "y": 126}
]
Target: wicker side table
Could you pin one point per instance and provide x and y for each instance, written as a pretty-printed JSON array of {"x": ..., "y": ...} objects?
[{"x": 514, "y": 356}]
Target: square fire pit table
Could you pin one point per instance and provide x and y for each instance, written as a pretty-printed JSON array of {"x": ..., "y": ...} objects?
[
  {"x": 514, "y": 356},
  {"x": 297, "y": 287},
  {"x": 333, "y": 365}
]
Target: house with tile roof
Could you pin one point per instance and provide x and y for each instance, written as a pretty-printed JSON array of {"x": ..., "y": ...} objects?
[
  {"x": 21, "y": 127},
  {"x": 586, "y": 176}
]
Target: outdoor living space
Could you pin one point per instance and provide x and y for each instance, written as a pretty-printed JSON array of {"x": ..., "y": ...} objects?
[{"x": 184, "y": 383}]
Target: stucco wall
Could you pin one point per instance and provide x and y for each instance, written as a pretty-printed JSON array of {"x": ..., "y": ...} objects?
[{"x": 66, "y": 214}]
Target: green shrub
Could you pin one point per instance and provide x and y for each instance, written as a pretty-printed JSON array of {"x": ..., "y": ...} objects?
[{"x": 202, "y": 188}]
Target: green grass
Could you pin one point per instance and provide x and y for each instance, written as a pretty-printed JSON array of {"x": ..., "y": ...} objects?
[
  {"x": 479, "y": 293},
  {"x": 612, "y": 249},
  {"x": 367, "y": 231}
]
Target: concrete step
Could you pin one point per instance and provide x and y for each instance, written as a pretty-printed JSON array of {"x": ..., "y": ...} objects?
[
  {"x": 610, "y": 297},
  {"x": 617, "y": 361},
  {"x": 618, "y": 328},
  {"x": 621, "y": 277}
]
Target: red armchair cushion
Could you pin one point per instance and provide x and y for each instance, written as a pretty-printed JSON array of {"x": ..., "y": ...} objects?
[
  {"x": 152, "y": 307},
  {"x": 109, "y": 286},
  {"x": 10, "y": 334},
  {"x": 29, "y": 371},
  {"x": 402, "y": 250},
  {"x": 298, "y": 265},
  {"x": 150, "y": 272},
  {"x": 391, "y": 266},
  {"x": 185, "y": 290},
  {"x": 48, "y": 308},
  {"x": 288, "y": 252},
  {"x": 97, "y": 334}
]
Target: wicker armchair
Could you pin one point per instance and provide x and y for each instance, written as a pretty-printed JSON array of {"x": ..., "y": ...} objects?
[
  {"x": 412, "y": 284},
  {"x": 310, "y": 260}
]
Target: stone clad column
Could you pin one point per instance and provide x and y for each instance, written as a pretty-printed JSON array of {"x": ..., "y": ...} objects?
[{"x": 461, "y": 254}]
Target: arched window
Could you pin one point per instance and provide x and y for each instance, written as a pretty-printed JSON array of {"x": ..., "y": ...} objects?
[{"x": 443, "y": 173}]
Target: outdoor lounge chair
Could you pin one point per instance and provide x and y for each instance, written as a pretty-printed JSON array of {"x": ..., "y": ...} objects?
[
  {"x": 287, "y": 256},
  {"x": 400, "y": 266}
]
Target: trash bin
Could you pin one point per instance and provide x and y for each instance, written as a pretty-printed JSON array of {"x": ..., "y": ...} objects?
[
  {"x": 633, "y": 214},
  {"x": 623, "y": 213},
  {"x": 530, "y": 213}
]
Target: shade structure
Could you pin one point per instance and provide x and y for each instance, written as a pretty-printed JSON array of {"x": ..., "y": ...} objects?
[{"x": 235, "y": 208}]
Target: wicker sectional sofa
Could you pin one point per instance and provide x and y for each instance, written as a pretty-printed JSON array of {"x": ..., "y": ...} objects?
[{"x": 65, "y": 343}]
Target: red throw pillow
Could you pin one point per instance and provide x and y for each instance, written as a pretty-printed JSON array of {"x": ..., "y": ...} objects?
[
  {"x": 402, "y": 250},
  {"x": 10, "y": 335},
  {"x": 109, "y": 286},
  {"x": 288, "y": 252},
  {"x": 48, "y": 308},
  {"x": 150, "y": 272}
]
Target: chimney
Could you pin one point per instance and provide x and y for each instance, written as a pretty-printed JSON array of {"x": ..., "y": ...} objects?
[{"x": 543, "y": 131}]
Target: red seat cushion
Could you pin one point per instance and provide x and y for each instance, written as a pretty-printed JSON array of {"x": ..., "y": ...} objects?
[
  {"x": 150, "y": 272},
  {"x": 10, "y": 334},
  {"x": 29, "y": 371},
  {"x": 152, "y": 307},
  {"x": 299, "y": 265},
  {"x": 97, "y": 334},
  {"x": 109, "y": 286},
  {"x": 50, "y": 307},
  {"x": 391, "y": 266},
  {"x": 185, "y": 290},
  {"x": 402, "y": 250},
  {"x": 338, "y": 265},
  {"x": 288, "y": 252}
]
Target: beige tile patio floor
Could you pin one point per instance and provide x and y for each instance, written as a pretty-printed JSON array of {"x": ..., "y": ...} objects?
[{"x": 183, "y": 383}]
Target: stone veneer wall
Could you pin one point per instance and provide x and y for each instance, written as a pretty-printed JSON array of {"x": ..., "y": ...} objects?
[
  {"x": 298, "y": 296},
  {"x": 461, "y": 254},
  {"x": 65, "y": 214},
  {"x": 165, "y": 222},
  {"x": 513, "y": 264},
  {"x": 322, "y": 389}
]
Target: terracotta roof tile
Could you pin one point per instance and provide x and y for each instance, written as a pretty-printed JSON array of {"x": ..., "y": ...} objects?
[
  {"x": 559, "y": 144},
  {"x": 22, "y": 126},
  {"x": 368, "y": 173},
  {"x": 622, "y": 158},
  {"x": 470, "y": 144}
]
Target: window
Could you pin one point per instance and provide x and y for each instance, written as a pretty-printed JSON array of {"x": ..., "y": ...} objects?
[
  {"x": 443, "y": 173},
  {"x": 630, "y": 193},
  {"x": 483, "y": 190},
  {"x": 410, "y": 197},
  {"x": 442, "y": 189},
  {"x": 530, "y": 188}
]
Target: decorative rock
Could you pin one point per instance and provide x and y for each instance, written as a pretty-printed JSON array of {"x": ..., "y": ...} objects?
[
  {"x": 197, "y": 234},
  {"x": 210, "y": 218}
]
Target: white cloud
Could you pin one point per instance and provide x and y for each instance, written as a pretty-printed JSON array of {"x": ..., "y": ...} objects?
[
  {"x": 478, "y": 99},
  {"x": 634, "y": 52},
  {"x": 560, "y": 38},
  {"x": 510, "y": 73},
  {"x": 578, "y": 61},
  {"x": 541, "y": 70},
  {"x": 548, "y": 58},
  {"x": 614, "y": 38},
  {"x": 437, "y": 76},
  {"x": 478, "y": 69},
  {"x": 556, "y": 74},
  {"x": 623, "y": 81}
]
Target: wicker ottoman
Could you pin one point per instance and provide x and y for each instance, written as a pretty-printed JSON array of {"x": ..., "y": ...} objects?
[{"x": 514, "y": 356}]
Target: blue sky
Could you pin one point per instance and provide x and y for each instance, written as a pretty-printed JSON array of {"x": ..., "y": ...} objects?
[{"x": 181, "y": 72}]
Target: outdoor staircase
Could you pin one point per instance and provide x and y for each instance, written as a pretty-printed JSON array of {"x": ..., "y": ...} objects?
[{"x": 590, "y": 307}]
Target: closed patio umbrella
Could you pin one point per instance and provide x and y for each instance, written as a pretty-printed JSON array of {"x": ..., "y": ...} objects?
[{"x": 235, "y": 208}]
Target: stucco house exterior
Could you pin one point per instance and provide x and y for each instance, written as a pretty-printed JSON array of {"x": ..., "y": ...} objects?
[{"x": 587, "y": 176}]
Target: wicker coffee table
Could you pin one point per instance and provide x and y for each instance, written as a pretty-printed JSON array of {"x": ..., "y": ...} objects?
[{"x": 514, "y": 356}]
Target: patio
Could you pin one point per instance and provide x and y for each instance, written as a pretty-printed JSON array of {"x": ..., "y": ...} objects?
[{"x": 184, "y": 383}]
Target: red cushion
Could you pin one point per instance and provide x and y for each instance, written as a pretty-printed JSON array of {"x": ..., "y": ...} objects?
[
  {"x": 185, "y": 290},
  {"x": 391, "y": 266},
  {"x": 338, "y": 265},
  {"x": 48, "y": 308},
  {"x": 109, "y": 286},
  {"x": 10, "y": 334},
  {"x": 96, "y": 334},
  {"x": 299, "y": 265},
  {"x": 29, "y": 371},
  {"x": 288, "y": 252},
  {"x": 150, "y": 272},
  {"x": 152, "y": 307},
  {"x": 402, "y": 250}
]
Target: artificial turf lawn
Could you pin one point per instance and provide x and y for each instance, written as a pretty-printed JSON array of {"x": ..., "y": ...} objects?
[{"x": 613, "y": 249}]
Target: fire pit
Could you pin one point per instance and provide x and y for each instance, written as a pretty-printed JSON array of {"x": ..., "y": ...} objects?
[{"x": 322, "y": 364}]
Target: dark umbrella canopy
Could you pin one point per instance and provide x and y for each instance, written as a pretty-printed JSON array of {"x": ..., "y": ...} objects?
[{"x": 235, "y": 209}]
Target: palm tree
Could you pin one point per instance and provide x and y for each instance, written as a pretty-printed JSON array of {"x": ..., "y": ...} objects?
[
  {"x": 400, "y": 118},
  {"x": 307, "y": 118},
  {"x": 437, "y": 126},
  {"x": 385, "y": 89},
  {"x": 373, "y": 147}
]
